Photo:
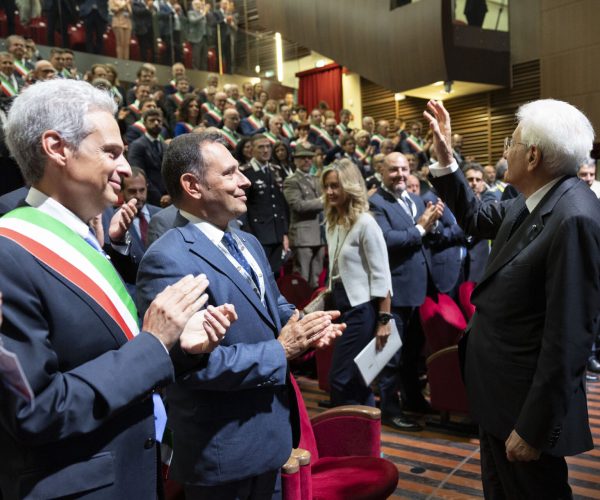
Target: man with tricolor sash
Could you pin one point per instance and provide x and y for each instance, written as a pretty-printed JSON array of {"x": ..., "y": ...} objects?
[
  {"x": 90, "y": 431},
  {"x": 212, "y": 113},
  {"x": 231, "y": 122},
  {"x": 10, "y": 82},
  {"x": 244, "y": 104},
  {"x": 15, "y": 44},
  {"x": 253, "y": 124}
]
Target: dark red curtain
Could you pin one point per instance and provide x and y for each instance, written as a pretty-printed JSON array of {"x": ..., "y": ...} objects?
[{"x": 321, "y": 84}]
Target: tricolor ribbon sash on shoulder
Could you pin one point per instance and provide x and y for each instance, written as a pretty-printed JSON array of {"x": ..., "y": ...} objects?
[{"x": 63, "y": 250}]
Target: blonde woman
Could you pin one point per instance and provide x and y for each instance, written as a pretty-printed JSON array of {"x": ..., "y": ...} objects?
[
  {"x": 359, "y": 278},
  {"x": 121, "y": 25}
]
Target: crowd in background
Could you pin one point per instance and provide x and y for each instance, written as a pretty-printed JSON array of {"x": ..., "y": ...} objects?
[
  {"x": 159, "y": 28},
  {"x": 284, "y": 149}
]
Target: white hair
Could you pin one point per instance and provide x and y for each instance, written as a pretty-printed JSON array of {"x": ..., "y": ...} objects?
[
  {"x": 563, "y": 133},
  {"x": 60, "y": 105}
]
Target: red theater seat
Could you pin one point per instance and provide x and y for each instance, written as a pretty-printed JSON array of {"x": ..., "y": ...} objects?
[
  {"x": 464, "y": 298},
  {"x": 345, "y": 462}
]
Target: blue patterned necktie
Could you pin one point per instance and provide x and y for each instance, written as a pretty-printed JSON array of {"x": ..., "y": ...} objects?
[{"x": 231, "y": 245}]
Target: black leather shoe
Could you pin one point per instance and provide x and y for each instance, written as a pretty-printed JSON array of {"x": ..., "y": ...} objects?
[
  {"x": 593, "y": 365},
  {"x": 591, "y": 378},
  {"x": 403, "y": 423}
]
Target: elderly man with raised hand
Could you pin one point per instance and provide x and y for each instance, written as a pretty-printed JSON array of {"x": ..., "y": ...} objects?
[
  {"x": 538, "y": 301},
  {"x": 90, "y": 432}
]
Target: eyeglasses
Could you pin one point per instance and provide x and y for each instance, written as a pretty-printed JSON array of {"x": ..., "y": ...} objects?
[{"x": 509, "y": 142}]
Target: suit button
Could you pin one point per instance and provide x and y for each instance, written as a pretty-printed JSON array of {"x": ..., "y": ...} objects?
[{"x": 150, "y": 442}]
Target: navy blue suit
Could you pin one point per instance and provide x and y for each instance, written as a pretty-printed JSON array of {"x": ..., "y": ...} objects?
[
  {"x": 142, "y": 154},
  {"x": 445, "y": 249},
  {"x": 91, "y": 434},
  {"x": 248, "y": 129},
  {"x": 408, "y": 258},
  {"x": 233, "y": 418}
]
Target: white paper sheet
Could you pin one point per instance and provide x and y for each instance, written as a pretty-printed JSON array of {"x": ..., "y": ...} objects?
[{"x": 370, "y": 362}]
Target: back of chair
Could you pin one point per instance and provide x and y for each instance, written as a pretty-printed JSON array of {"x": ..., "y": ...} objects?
[
  {"x": 464, "y": 298},
  {"x": 443, "y": 322},
  {"x": 295, "y": 289},
  {"x": 307, "y": 437}
]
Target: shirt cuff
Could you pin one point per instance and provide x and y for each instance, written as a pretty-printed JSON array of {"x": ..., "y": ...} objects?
[
  {"x": 122, "y": 248},
  {"x": 420, "y": 229},
  {"x": 437, "y": 171}
]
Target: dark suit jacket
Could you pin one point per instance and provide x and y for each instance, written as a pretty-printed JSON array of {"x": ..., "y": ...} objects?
[
  {"x": 91, "y": 434},
  {"x": 143, "y": 155},
  {"x": 248, "y": 129},
  {"x": 267, "y": 208},
  {"x": 537, "y": 305},
  {"x": 407, "y": 255},
  {"x": 231, "y": 419},
  {"x": 85, "y": 8},
  {"x": 445, "y": 246},
  {"x": 142, "y": 18},
  {"x": 136, "y": 247}
]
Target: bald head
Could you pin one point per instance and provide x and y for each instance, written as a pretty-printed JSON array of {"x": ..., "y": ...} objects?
[{"x": 231, "y": 119}]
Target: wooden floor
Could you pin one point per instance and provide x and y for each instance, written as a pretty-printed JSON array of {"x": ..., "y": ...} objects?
[{"x": 437, "y": 465}]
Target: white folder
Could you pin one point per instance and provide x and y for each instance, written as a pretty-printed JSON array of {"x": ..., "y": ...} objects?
[{"x": 370, "y": 361}]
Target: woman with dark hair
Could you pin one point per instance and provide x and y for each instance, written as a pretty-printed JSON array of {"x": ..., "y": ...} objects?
[
  {"x": 360, "y": 279},
  {"x": 263, "y": 97},
  {"x": 282, "y": 157},
  {"x": 302, "y": 132},
  {"x": 243, "y": 151},
  {"x": 188, "y": 115}
]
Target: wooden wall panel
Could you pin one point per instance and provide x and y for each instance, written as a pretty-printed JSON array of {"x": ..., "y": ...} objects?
[{"x": 483, "y": 119}]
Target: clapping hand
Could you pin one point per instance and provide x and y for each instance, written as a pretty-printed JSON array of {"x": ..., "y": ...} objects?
[
  {"x": 122, "y": 220},
  {"x": 206, "y": 328}
]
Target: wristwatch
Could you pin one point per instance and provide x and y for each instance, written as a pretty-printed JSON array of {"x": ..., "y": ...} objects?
[{"x": 384, "y": 318}]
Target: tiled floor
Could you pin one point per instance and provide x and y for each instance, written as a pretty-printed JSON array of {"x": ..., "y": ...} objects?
[{"x": 435, "y": 465}]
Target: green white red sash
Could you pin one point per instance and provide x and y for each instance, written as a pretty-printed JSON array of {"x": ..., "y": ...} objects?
[
  {"x": 178, "y": 98},
  {"x": 341, "y": 129},
  {"x": 288, "y": 130},
  {"x": 211, "y": 110},
  {"x": 361, "y": 153},
  {"x": 134, "y": 106},
  {"x": 231, "y": 101},
  {"x": 231, "y": 137},
  {"x": 21, "y": 68},
  {"x": 140, "y": 126},
  {"x": 272, "y": 137},
  {"x": 255, "y": 122},
  {"x": 378, "y": 138},
  {"x": 247, "y": 104},
  {"x": 63, "y": 250},
  {"x": 323, "y": 134},
  {"x": 6, "y": 86},
  {"x": 415, "y": 143}
]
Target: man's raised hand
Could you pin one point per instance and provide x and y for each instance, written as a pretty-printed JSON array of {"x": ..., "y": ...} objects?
[{"x": 439, "y": 123}]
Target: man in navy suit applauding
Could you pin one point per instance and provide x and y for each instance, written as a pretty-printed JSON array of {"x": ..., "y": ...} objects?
[{"x": 234, "y": 420}]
